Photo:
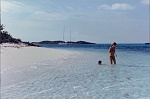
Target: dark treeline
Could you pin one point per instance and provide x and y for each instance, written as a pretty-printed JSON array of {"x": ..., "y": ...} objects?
[{"x": 5, "y": 37}]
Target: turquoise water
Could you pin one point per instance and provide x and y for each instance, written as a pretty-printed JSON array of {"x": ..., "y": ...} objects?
[{"x": 80, "y": 77}]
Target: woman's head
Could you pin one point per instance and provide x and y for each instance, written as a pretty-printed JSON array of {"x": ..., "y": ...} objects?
[{"x": 114, "y": 44}]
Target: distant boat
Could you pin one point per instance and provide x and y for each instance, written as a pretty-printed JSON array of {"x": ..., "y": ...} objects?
[
  {"x": 147, "y": 43},
  {"x": 149, "y": 39},
  {"x": 70, "y": 42},
  {"x": 66, "y": 43},
  {"x": 63, "y": 43}
]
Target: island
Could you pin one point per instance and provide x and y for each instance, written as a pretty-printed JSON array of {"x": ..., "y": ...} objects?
[{"x": 58, "y": 42}]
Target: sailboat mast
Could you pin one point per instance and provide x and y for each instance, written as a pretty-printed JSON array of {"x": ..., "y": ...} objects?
[
  {"x": 70, "y": 35},
  {"x": 149, "y": 25},
  {"x": 149, "y": 33},
  {"x": 64, "y": 34}
]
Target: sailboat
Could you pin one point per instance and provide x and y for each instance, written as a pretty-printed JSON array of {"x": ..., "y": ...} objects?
[
  {"x": 70, "y": 42},
  {"x": 63, "y": 43}
]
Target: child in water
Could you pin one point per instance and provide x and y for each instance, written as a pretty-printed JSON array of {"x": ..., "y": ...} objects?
[{"x": 99, "y": 62}]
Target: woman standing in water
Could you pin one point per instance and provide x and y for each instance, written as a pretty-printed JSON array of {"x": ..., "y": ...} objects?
[{"x": 112, "y": 53}]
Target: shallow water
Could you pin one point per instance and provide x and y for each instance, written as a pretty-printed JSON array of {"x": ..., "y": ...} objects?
[{"x": 80, "y": 77}]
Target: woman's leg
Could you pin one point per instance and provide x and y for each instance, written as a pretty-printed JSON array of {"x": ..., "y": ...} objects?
[
  {"x": 111, "y": 60},
  {"x": 114, "y": 60}
]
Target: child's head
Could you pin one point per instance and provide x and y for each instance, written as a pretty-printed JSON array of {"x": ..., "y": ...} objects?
[{"x": 99, "y": 62}]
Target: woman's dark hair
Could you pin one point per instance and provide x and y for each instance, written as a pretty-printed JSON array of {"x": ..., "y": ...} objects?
[{"x": 114, "y": 43}]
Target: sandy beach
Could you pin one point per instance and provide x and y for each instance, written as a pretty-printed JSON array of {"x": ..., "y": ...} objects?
[{"x": 16, "y": 55}]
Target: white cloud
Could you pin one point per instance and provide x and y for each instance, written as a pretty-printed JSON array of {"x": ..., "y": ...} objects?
[
  {"x": 10, "y": 6},
  {"x": 116, "y": 6},
  {"x": 33, "y": 12},
  {"x": 145, "y": 1},
  {"x": 68, "y": 7},
  {"x": 41, "y": 15},
  {"x": 15, "y": 7}
]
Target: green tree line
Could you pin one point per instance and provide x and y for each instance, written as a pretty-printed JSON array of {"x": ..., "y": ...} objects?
[{"x": 5, "y": 37}]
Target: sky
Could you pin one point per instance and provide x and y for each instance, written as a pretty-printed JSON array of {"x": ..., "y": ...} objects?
[{"x": 98, "y": 21}]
